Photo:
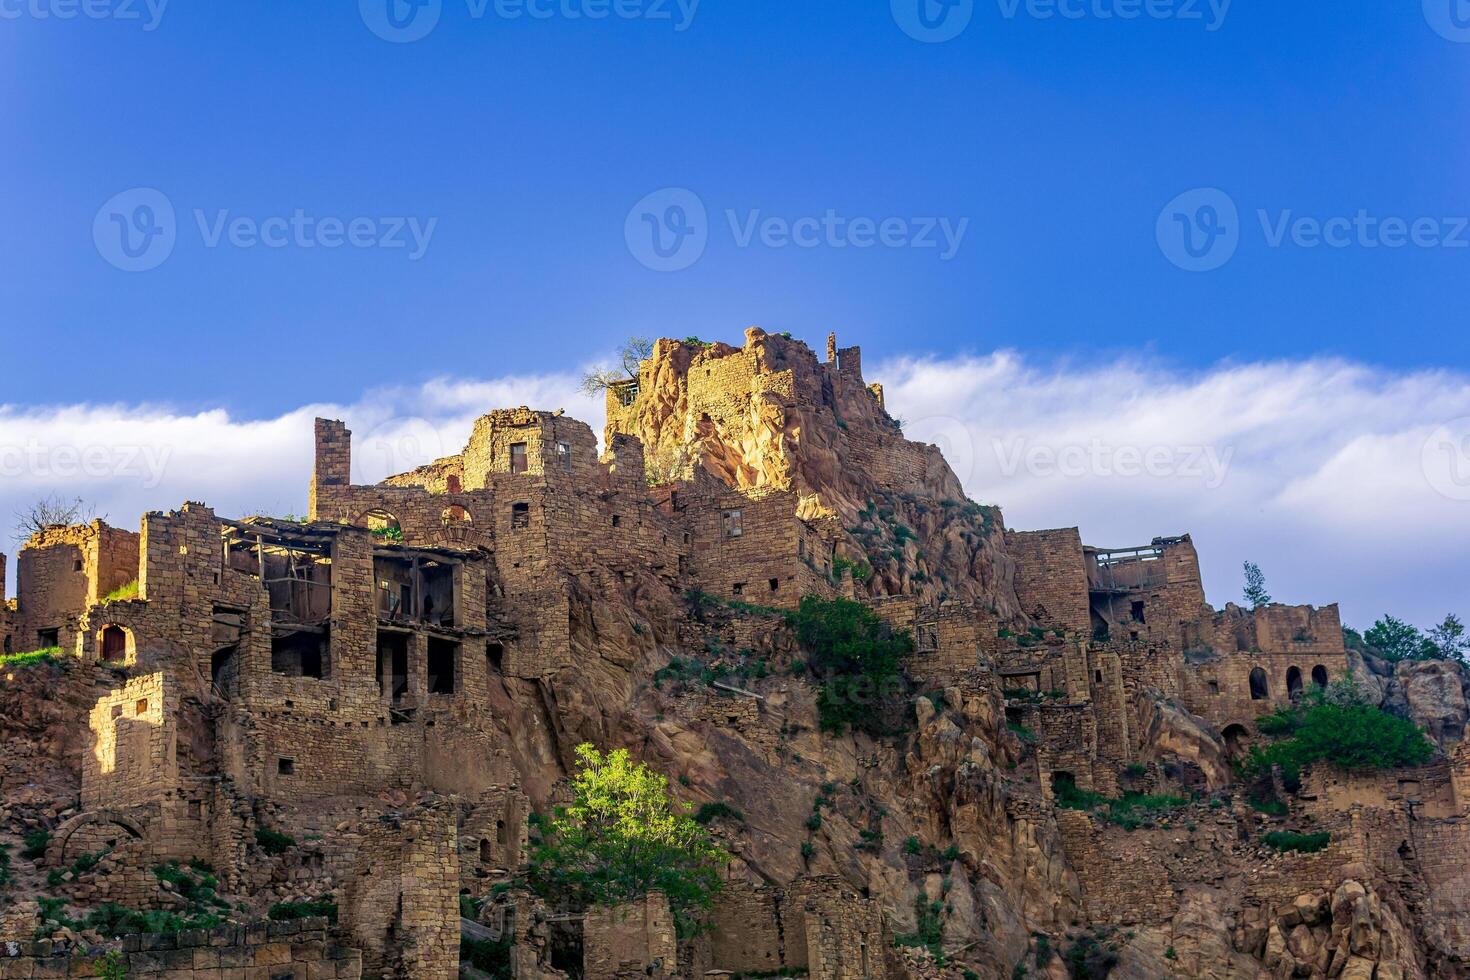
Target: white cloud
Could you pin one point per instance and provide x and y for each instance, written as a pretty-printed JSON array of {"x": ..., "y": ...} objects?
[{"x": 1315, "y": 469}]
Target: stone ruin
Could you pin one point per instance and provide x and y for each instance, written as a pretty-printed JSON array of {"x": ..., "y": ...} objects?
[{"x": 369, "y": 704}]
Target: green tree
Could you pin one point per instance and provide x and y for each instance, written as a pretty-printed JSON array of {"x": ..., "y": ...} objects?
[
  {"x": 1394, "y": 639},
  {"x": 857, "y": 659},
  {"x": 1449, "y": 639},
  {"x": 1255, "y": 586},
  {"x": 623, "y": 837}
]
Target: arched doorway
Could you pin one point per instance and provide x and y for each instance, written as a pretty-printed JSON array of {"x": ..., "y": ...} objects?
[
  {"x": 1293, "y": 682},
  {"x": 1319, "y": 675},
  {"x": 114, "y": 644},
  {"x": 1260, "y": 689}
]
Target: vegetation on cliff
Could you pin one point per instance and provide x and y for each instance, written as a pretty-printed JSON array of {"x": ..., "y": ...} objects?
[
  {"x": 622, "y": 837},
  {"x": 857, "y": 660},
  {"x": 1338, "y": 726}
]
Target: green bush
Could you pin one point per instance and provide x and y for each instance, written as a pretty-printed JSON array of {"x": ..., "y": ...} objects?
[
  {"x": 929, "y": 931},
  {"x": 115, "y": 921},
  {"x": 1337, "y": 726},
  {"x": 1088, "y": 959},
  {"x": 273, "y": 842},
  {"x": 1129, "y": 811},
  {"x": 856, "y": 658},
  {"x": 1285, "y": 840},
  {"x": 35, "y": 844},
  {"x": 123, "y": 593},
  {"x": 488, "y": 957},
  {"x": 1069, "y": 796},
  {"x": 709, "y": 812},
  {"x": 1272, "y": 807},
  {"x": 321, "y": 909}
]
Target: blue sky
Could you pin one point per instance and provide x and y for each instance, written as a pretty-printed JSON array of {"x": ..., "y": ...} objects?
[
  {"x": 530, "y": 139},
  {"x": 527, "y": 152}
]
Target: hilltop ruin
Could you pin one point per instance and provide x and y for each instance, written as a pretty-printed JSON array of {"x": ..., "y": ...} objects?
[{"x": 357, "y": 716}]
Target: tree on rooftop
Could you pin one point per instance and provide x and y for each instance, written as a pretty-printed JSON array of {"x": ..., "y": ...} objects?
[
  {"x": 634, "y": 350},
  {"x": 1255, "y": 586},
  {"x": 623, "y": 837},
  {"x": 51, "y": 511}
]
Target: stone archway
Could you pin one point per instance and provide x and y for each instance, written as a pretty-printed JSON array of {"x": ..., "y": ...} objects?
[{"x": 87, "y": 833}]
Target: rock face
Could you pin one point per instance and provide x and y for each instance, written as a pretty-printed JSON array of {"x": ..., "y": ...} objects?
[
  {"x": 366, "y": 709},
  {"x": 770, "y": 415}
]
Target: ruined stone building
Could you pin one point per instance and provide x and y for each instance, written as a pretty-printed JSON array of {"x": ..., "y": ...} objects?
[{"x": 368, "y": 706}]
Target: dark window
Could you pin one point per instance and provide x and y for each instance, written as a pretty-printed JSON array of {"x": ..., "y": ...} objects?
[
  {"x": 775, "y": 584},
  {"x": 518, "y": 463},
  {"x": 495, "y": 656},
  {"x": 520, "y": 515},
  {"x": 617, "y": 521},
  {"x": 443, "y": 657},
  {"x": 286, "y": 767},
  {"x": 1319, "y": 675},
  {"x": 48, "y": 638},
  {"x": 1293, "y": 681},
  {"x": 76, "y": 566},
  {"x": 1138, "y": 611},
  {"x": 300, "y": 654},
  {"x": 393, "y": 665},
  {"x": 739, "y": 588},
  {"x": 485, "y": 855},
  {"x": 1260, "y": 691}
]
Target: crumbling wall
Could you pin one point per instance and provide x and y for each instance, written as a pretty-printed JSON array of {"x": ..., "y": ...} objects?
[
  {"x": 299, "y": 950},
  {"x": 632, "y": 938},
  {"x": 1051, "y": 577},
  {"x": 133, "y": 759},
  {"x": 401, "y": 903},
  {"x": 846, "y": 935}
]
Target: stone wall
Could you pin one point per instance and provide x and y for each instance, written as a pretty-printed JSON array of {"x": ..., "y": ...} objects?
[
  {"x": 846, "y": 936},
  {"x": 1126, "y": 887},
  {"x": 133, "y": 758},
  {"x": 633, "y": 938},
  {"x": 1051, "y": 578},
  {"x": 401, "y": 902},
  {"x": 299, "y": 950}
]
